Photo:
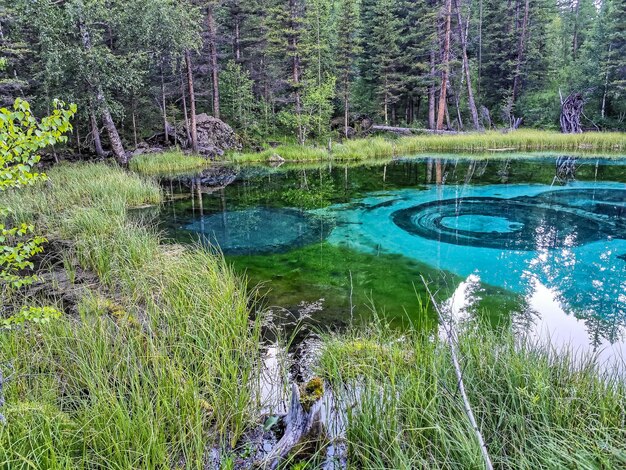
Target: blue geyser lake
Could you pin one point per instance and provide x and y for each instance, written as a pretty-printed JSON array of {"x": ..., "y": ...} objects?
[{"x": 558, "y": 245}]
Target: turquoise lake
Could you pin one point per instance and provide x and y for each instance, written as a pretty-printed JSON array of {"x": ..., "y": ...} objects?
[{"x": 536, "y": 244}]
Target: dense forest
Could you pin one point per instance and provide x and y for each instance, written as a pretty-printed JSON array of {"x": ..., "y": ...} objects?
[{"x": 309, "y": 68}]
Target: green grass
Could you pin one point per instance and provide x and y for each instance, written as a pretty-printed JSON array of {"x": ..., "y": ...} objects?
[
  {"x": 290, "y": 152},
  {"x": 151, "y": 367},
  {"x": 173, "y": 162},
  {"x": 385, "y": 147},
  {"x": 535, "y": 408}
]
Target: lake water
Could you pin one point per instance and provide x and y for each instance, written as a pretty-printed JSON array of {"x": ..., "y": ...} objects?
[{"x": 538, "y": 243}]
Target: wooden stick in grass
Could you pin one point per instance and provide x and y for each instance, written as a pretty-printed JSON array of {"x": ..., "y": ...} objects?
[{"x": 452, "y": 342}]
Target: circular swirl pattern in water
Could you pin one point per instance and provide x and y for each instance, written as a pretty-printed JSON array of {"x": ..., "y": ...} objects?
[
  {"x": 551, "y": 220},
  {"x": 259, "y": 230}
]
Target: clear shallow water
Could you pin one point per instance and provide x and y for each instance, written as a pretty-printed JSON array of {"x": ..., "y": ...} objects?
[{"x": 518, "y": 242}]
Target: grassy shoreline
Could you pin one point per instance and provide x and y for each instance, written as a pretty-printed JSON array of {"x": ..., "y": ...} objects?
[
  {"x": 381, "y": 147},
  {"x": 536, "y": 407},
  {"x": 147, "y": 369},
  {"x": 167, "y": 163}
]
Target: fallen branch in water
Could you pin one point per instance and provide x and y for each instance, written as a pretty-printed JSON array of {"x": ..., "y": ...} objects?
[{"x": 452, "y": 343}]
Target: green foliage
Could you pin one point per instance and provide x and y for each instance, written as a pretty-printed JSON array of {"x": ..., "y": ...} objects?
[
  {"x": 16, "y": 252},
  {"x": 37, "y": 315},
  {"x": 238, "y": 102},
  {"x": 317, "y": 108},
  {"x": 21, "y": 137}
]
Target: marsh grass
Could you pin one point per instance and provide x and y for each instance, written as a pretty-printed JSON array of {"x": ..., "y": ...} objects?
[
  {"x": 153, "y": 367},
  {"x": 173, "y": 162},
  {"x": 290, "y": 152},
  {"x": 384, "y": 147},
  {"x": 535, "y": 408}
]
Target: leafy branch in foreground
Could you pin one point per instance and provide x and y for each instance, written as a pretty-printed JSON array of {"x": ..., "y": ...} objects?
[{"x": 21, "y": 137}]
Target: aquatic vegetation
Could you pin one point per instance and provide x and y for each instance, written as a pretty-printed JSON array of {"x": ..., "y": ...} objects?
[
  {"x": 172, "y": 162},
  {"x": 145, "y": 376},
  {"x": 536, "y": 408}
]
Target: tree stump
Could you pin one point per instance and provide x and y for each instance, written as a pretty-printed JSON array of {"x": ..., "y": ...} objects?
[{"x": 571, "y": 111}]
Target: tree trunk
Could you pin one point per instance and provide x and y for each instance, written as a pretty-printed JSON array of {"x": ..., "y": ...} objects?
[
  {"x": 346, "y": 105},
  {"x": 163, "y": 106},
  {"x": 293, "y": 44},
  {"x": 520, "y": 52},
  {"x": 95, "y": 135},
  {"x": 575, "y": 38},
  {"x": 446, "y": 66},
  {"x": 237, "y": 39},
  {"x": 214, "y": 70},
  {"x": 468, "y": 76},
  {"x": 192, "y": 104},
  {"x": 183, "y": 94},
  {"x": 114, "y": 137},
  {"x": 431, "y": 93},
  {"x": 606, "y": 87}
]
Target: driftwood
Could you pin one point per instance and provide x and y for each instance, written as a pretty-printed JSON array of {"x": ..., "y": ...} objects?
[
  {"x": 452, "y": 340},
  {"x": 300, "y": 425},
  {"x": 571, "y": 112},
  {"x": 408, "y": 130}
]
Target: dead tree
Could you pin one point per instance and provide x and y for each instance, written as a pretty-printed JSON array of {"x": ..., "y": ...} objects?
[{"x": 571, "y": 112}]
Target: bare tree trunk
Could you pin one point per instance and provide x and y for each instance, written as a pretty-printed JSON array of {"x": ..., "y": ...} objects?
[
  {"x": 114, "y": 137},
  {"x": 237, "y": 39},
  {"x": 213, "y": 53},
  {"x": 431, "y": 93},
  {"x": 575, "y": 38},
  {"x": 100, "y": 102},
  {"x": 606, "y": 87},
  {"x": 468, "y": 76},
  {"x": 134, "y": 128},
  {"x": 95, "y": 135},
  {"x": 446, "y": 66},
  {"x": 520, "y": 52},
  {"x": 163, "y": 106},
  {"x": 293, "y": 44},
  {"x": 192, "y": 104},
  {"x": 480, "y": 44},
  {"x": 185, "y": 109},
  {"x": 346, "y": 105}
]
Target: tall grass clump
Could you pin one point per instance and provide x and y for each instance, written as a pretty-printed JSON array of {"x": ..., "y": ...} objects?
[
  {"x": 150, "y": 367},
  {"x": 535, "y": 408},
  {"x": 289, "y": 152},
  {"x": 167, "y": 163}
]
